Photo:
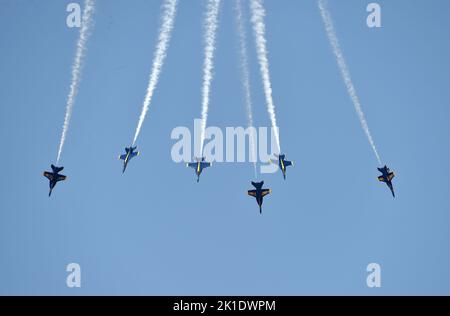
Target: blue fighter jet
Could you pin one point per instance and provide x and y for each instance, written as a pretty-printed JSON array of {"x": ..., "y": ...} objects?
[
  {"x": 129, "y": 153},
  {"x": 386, "y": 177},
  {"x": 54, "y": 177},
  {"x": 282, "y": 163},
  {"x": 199, "y": 165},
  {"x": 259, "y": 193}
]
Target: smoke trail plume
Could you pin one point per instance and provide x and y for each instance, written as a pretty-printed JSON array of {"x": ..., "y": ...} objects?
[
  {"x": 329, "y": 27},
  {"x": 259, "y": 30},
  {"x": 245, "y": 76},
  {"x": 211, "y": 24},
  {"x": 168, "y": 17},
  {"x": 76, "y": 69}
]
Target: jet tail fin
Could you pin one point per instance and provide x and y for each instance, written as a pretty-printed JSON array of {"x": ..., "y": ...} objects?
[
  {"x": 56, "y": 169},
  {"x": 258, "y": 185}
]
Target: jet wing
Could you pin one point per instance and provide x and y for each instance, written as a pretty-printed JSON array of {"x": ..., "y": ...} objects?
[
  {"x": 381, "y": 178},
  {"x": 287, "y": 163},
  {"x": 265, "y": 192},
  {"x": 192, "y": 165},
  {"x": 61, "y": 178},
  {"x": 48, "y": 175},
  {"x": 204, "y": 165},
  {"x": 134, "y": 154},
  {"x": 391, "y": 176},
  {"x": 122, "y": 157},
  {"x": 251, "y": 193}
]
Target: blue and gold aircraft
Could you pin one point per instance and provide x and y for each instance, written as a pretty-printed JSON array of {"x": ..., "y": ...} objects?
[
  {"x": 259, "y": 193},
  {"x": 54, "y": 177},
  {"x": 129, "y": 153},
  {"x": 199, "y": 165},
  {"x": 386, "y": 177},
  {"x": 282, "y": 163}
]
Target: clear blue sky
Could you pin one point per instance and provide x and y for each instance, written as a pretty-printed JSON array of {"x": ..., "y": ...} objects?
[{"x": 154, "y": 230}]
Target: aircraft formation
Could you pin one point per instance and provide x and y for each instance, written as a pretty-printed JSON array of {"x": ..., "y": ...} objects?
[
  {"x": 200, "y": 164},
  {"x": 211, "y": 21}
]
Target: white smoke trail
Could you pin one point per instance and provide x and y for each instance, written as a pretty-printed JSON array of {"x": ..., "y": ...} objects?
[
  {"x": 259, "y": 30},
  {"x": 168, "y": 17},
  {"x": 246, "y": 77},
  {"x": 211, "y": 24},
  {"x": 329, "y": 27},
  {"x": 76, "y": 68}
]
